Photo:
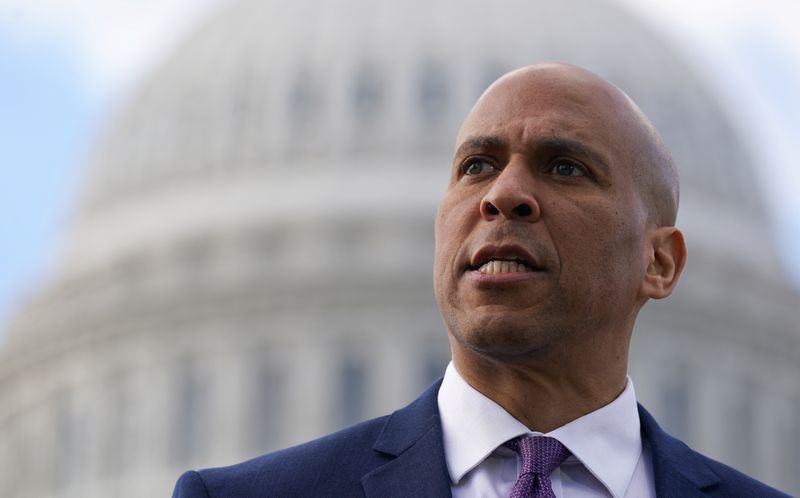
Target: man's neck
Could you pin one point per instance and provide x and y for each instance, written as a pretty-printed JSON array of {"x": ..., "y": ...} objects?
[{"x": 541, "y": 393}]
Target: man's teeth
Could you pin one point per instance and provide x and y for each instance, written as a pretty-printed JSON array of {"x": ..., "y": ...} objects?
[{"x": 500, "y": 266}]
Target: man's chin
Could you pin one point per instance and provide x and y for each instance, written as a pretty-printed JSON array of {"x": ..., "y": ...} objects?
[{"x": 503, "y": 338}]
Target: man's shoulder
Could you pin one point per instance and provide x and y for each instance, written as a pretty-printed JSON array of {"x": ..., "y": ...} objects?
[
  {"x": 678, "y": 469},
  {"x": 334, "y": 463},
  {"x": 736, "y": 483}
]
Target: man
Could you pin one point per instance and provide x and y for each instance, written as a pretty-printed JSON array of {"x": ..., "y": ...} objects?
[{"x": 557, "y": 226}]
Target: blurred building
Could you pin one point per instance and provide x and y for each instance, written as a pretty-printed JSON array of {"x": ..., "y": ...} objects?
[{"x": 250, "y": 265}]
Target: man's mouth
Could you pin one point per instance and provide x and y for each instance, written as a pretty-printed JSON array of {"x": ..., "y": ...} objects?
[
  {"x": 492, "y": 260},
  {"x": 504, "y": 266}
]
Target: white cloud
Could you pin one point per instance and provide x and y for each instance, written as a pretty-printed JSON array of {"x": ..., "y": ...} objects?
[{"x": 112, "y": 41}]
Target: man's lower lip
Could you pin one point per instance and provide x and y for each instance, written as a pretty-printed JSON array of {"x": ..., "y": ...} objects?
[{"x": 503, "y": 278}]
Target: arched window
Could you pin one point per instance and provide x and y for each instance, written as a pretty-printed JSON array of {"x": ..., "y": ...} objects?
[
  {"x": 267, "y": 401},
  {"x": 70, "y": 444},
  {"x": 305, "y": 100},
  {"x": 675, "y": 402},
  {"x": 489, "y": 72},
  {"x": 435, "y": 360},
  {"x": 189, "y": 416},
  {"x": 368, "y": 93},
  {"x": 353, "y": 386},
  {"x": 740, "y": 420},
  {"x": 433, "y": 92},
  {"x": 117, "y": 426}
]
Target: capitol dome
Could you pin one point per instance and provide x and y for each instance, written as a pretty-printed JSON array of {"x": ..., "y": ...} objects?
[{"x": 250, "y": 262}]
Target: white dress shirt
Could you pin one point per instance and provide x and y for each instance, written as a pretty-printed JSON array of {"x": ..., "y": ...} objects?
[{"x": 607, "y": 459}]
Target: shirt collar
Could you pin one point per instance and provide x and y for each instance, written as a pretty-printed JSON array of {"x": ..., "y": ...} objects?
[{"x": 607, "y": 441}]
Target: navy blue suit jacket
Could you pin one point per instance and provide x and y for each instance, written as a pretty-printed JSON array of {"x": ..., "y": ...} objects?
[{"x": 402, "y": 455}]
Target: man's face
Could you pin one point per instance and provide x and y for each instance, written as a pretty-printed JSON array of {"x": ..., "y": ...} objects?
[{"x": 540, "y": 235}]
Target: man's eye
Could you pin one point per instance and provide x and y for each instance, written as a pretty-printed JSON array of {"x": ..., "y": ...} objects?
[
  {"x": 477, "y": 167},
  {"x": 563, "y": 167}
]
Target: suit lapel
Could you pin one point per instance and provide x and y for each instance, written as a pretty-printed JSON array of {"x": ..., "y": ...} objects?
[
  {"x": 413, "y": 436},
  {"x": 678, "y": 471}
]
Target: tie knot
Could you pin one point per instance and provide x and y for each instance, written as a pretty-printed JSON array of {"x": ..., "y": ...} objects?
[{"x": 540, "y": 454}]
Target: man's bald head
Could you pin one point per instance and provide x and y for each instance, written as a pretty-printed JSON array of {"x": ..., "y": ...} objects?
[
  {"x": 651, "y": 164},
  {"x": 555, "y": 229}
]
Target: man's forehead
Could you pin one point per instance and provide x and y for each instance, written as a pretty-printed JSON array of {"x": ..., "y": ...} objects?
[
  {"x": 517, "y": 123},
  {"x": 553, "y": 80},
  {"x": 560, "y": 100},
  {"x": 538, "y": 93}
]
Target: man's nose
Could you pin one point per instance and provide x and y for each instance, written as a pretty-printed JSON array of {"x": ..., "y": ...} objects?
[{"x": 511, "y": 196}]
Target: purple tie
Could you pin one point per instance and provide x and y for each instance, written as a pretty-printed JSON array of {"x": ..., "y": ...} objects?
[{"x": 540, "y": 456}]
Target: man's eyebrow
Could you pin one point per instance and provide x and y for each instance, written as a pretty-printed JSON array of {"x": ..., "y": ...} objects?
[
  {"x": 572, "y": 147},
  {"x": 480, "y": 142}
]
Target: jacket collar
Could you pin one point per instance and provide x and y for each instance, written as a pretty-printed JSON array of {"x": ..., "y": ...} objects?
[
  {"x": 413, "y": 435},
  {"x": 677, "y": 469}
]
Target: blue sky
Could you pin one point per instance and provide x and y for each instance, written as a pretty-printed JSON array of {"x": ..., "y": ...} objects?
[
  {"x": 47, "y": 117},
  {"x": 64, "y": 66}
]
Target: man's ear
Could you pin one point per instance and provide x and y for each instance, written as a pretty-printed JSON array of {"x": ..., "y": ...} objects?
[{"x": 666, "y": 255}]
